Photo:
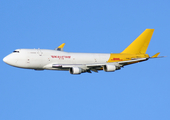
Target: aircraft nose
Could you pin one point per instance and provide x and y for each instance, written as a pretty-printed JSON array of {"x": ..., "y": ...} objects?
[
  {"x": 5, "y": 59},
  {"x": 9, "y": 59}
]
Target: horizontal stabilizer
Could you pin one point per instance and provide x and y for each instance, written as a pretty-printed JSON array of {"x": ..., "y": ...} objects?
[{"x": 156, "y": 55}]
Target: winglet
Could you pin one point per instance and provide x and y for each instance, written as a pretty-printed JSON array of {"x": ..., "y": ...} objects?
[
  {"x": 156, "y": 55},
  {"x": 60, "y": 48}
]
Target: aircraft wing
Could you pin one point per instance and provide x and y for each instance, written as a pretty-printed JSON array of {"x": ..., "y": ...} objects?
[
  {"x": 123, "y": 63},
  {"x": 120, "y": 64},
  {"x": 98, "y": 66}
]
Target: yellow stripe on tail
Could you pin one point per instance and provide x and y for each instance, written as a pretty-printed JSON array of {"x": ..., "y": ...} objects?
[{"x": 140, "y": 44}]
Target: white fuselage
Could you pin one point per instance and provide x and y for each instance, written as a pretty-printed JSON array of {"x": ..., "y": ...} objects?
[{"x": 44, "y": 59}]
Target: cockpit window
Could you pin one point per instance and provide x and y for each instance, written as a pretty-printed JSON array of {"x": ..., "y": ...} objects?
[{"x": 16, "y": 51}]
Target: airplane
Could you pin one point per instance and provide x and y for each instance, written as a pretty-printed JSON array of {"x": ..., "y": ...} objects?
[{"x": 77, "y": 63}]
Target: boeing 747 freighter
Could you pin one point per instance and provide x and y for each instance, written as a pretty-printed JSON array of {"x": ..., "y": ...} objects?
[{"x": 77, "y": 63}]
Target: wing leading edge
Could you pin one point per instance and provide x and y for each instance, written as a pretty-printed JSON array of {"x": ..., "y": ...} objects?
[{"x": 98, "y": 66}]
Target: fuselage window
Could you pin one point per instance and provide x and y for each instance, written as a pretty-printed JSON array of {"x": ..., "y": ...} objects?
[
  {"x": 16, "y": 51},
  {"x": 33, "y": 52}
]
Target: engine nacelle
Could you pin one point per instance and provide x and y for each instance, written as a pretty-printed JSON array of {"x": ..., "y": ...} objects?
[
  {"x": 109, "y": 68},
  {"x": 75, "y": 70}
]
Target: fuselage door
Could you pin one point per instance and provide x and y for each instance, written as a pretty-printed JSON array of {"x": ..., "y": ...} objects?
[{"x": 40, "y": 52}]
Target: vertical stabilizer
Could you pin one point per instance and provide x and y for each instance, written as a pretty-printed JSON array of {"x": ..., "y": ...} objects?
[{"x": 140, "y": 44}]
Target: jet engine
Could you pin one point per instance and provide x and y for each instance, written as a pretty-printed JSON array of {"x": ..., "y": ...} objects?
[
  {"x": 75, "y": 70},
  {"x": 109, "y": 68}
]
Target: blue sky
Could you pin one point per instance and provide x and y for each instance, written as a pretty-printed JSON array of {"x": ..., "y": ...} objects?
[{"x": 136, "y": 92}]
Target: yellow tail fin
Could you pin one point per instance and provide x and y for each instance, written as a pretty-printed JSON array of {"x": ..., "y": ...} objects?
[{"x": 140, "y": 44}]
